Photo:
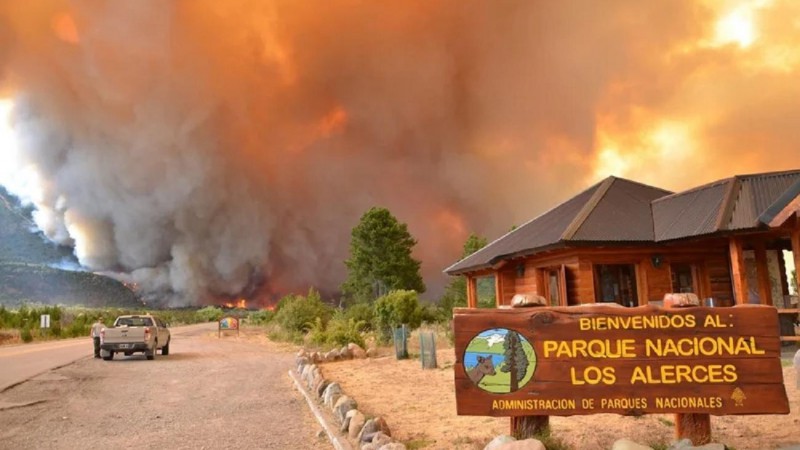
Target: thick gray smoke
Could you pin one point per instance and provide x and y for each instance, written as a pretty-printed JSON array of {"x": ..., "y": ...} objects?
[{"x": 208, "y": 149}]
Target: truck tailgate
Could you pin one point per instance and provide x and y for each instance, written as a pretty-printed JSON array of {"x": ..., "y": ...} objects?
[{"x": 123, "y": 335}]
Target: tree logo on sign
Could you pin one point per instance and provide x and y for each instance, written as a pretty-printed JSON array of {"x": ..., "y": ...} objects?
[{"x": 499, "y": 360}]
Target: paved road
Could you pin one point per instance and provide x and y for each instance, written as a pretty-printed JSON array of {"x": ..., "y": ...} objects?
[
  {"x": 215, "y": 393},
  {"x": 25, "y": 361}
]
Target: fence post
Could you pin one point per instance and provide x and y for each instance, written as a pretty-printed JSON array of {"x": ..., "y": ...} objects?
[
  {"x": 427, "y": 349},
  {"x": 525, "y": 427},
  {"x": 400, "y": 342}
]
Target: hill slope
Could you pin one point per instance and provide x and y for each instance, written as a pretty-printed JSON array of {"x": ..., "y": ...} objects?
[{"x": 27, "y": 272}]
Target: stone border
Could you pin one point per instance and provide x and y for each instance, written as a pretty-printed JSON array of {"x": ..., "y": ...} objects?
[{"x": 369, "y": 434}]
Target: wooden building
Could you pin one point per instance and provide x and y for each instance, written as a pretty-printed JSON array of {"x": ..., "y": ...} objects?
[{"x": 625, "y": 242}]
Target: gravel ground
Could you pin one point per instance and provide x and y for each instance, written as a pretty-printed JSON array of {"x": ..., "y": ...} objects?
[{"x": 229, "y": 393}]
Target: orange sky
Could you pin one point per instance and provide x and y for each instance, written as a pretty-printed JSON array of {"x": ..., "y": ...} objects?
[{"x": 212, "y": 146}]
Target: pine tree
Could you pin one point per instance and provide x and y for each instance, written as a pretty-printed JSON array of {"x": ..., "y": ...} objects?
[
  {"x": 516, "y": 362},
  {"x": 380, "y": 258}
]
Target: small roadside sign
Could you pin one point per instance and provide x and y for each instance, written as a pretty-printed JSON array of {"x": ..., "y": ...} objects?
[
  {"x": 228, "y": 324},
  {"x": 44, "y": 321}
]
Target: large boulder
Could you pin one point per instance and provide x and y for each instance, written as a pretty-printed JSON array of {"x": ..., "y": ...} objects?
[
  {"x": 525, "y": 444},
  {"x": 356, "y": 350},
  {"x": 381, "y": 439}
]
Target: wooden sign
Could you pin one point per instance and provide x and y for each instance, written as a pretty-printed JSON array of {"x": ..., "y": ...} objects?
[
  {"x": 228, "y": 324},
  {"x": 595, "y": 359}
]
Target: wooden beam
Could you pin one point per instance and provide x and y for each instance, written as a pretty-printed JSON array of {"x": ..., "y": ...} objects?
[
  {"x": 786, "y": 213},
  {"x": 738, "y": 274},
  {"x": 472, "y": 292},
  {"x": 498, "y": 289},
  {"x": 764, "y": 288},
  {"x": 796, "y": 253}
]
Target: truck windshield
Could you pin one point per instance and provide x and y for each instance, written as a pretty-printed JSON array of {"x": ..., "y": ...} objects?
[{"x": 135, "y": 322}]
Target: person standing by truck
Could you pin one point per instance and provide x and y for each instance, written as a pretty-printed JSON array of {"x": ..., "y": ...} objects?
[{"x": 96, "y": 329}]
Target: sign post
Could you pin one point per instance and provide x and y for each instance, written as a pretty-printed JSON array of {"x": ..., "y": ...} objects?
[
  {"x": 593, "y": 359},
  {"x": 228, "y": 324}
]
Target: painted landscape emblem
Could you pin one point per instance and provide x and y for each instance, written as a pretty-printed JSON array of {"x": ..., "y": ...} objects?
[{"x": 499, "y": 360}]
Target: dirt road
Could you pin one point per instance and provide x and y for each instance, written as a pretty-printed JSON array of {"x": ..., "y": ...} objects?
[{"x": 229, "y": 393}]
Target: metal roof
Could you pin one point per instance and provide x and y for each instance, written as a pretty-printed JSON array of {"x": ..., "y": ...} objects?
[
  {"x": 618, "y": 210},
  {"x": 612, "y": 210}
]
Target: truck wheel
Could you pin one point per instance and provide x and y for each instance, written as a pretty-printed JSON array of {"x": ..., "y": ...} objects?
[
  {"x": 165, "y": 350},
  {"x": 109, "y": 357},
  {"x": 151, "y": 354}
]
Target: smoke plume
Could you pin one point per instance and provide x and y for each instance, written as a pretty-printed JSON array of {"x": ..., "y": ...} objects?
[{"x": 207, "y": 149}]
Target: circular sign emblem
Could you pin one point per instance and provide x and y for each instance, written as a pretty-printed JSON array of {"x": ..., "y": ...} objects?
[{"x": 499, "y": 360}]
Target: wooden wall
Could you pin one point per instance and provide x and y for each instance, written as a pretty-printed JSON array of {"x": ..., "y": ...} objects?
[{"x": 710, "y": 260}]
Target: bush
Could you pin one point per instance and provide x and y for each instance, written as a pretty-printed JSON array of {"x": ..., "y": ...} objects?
[
  {"x": 394, "y": 309},
  {"x": 209, "y": 314},
  {"x": 26, "y": 335},
  {"x": 343, "y": 330},
  {"x": 297, "y": 314},
  {"x": 361, "y": 312},
  {"x": 262, "y": 317}
]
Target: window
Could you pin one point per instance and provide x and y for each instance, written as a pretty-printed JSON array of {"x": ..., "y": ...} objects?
[
  {"x": 553, "y": 287},
  {"x": 616, "y": 283},
  {"x": 682, "y": 278}
]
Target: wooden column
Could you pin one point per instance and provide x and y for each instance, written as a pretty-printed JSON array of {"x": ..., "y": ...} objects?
[
  {"x": 498, "y": 289},
  {"x": 764, "y": 288},
  {"x": 738, "y": 274},
  {"x": 695, "y": 427},
  {"x": 527, "y": 427},
  {"x": 472, "y": 292},
  {"x": 796, "y": 253}
]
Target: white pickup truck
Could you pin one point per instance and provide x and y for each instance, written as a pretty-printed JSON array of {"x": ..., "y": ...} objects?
[{"x": 135, "y": 333}]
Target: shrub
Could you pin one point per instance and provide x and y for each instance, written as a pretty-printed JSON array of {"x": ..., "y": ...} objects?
[
  {"x": 394, "y": 309},
  {"x": 343, "y": 330},
  {"x": 297, "y": 314},
  {"x": 26, "y": 335},
  {"x": 209, "y": 314},
  {"x": 262, "y": 317},
  {"x": 361, "y": 312}
]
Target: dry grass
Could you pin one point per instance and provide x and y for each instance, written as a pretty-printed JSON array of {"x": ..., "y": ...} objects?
[{"x": 419, "y": 406}]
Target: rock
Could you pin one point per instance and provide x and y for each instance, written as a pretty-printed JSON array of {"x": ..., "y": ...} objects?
[
  {"x": 306, "y": 369},
  {"x": 345, "y": 353},
  {"x": 381, "y": 439},
  {"x": 333, "y": 355},
  {"x": 686, "y": 444},
  {"x": 527, "y": 300},
  {"x": 682, "y": 444},
  {"x": 367, "y": 437},
  {"x": 525, "y": 444},
  {"x": 383, "y": 426},
  {"x": 346, "y": 422},
  {"x": 372, "y": 352},
  {"x": 393, "y": 446},
  {"x": 320, "y": 387},
  {"x": 672, "y": 300},
  {"x": 369, "y": 446},
  {"x": 356, "y": 350},
  {"x": 341, "y": 407},
  {"x": 302, "y": 353},
  {"x": 332, "y": 390},
  {"x": 299, "y": 362},
  {"x": 356, "y": 423},
  {"x": 627, "y": 444},
  {"x": 321, "y": 433},
  {"x": 498, "y": 441}
]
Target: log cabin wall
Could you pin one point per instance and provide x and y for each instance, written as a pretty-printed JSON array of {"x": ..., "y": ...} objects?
[{"x": 708, "y": 260}]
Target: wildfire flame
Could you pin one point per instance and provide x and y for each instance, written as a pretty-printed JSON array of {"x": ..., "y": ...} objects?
[{"x": 238, "y": 304}]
